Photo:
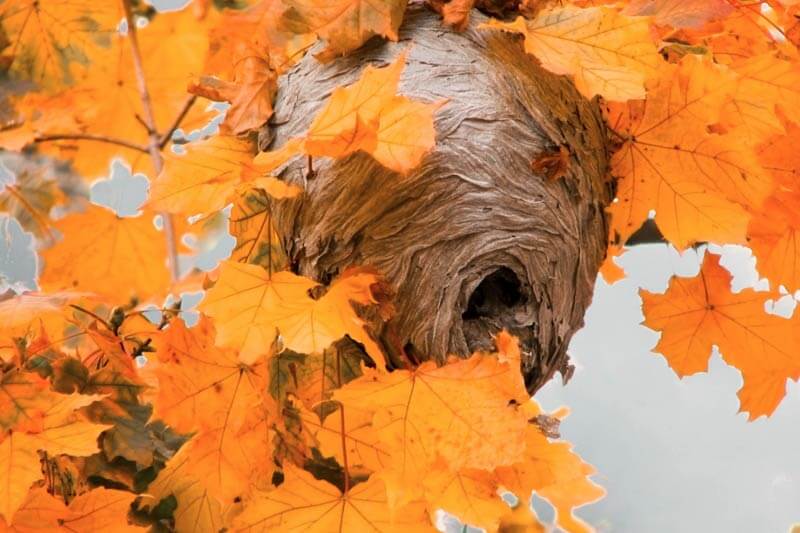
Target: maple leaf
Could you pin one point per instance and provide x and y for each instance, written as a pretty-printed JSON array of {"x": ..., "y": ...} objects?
[
  {"x": 461, "y": 414},
  {"x": 30, "y": 198},
  {"x": 20, "y": 312},
  {"x": 774, "y": 231},
  {"x": 226, "y": 463},
  {"x": 344, "y": 24},
  {"x": 607, "y": 53},
  {"x": 697, "y": 313},
  {"x": 367, "y": 116},
  {"x": 100, "y": 509},
  {"x": 204, "y": 178},
  {"x": 250, "y": 94},
  {"x": 53, "y": 41},
  {"x": 254, "y": 30},
  {"x": 251, "y": 305},
  {"x": 349, "y": 120},
  {"x": 764, "y": 83},
  {"x": 38, "y": 114},
  {"x": 469, "y": 494},
  {"x": 41, "y": 511},
  {"x": 680, "y": 13},
  {"x": 552, "y": 471},
  {"x": 196, "y": 508},
  {"x": 405, "y": 134},
  {"x": 361, "y": 440},
  {"x": 106, "y": 103},
  {"x": 42, "y": 420},
  {"x": 201, "y": 386},
  {"x": 257, "y": 241},
  {"x": 19, "y": 468},
  {"x": 23, "y": 397},
  {"x": 106, "y": 254},
  {"x": 303, "y": 503},
  {"x": 699, "y": 184}
]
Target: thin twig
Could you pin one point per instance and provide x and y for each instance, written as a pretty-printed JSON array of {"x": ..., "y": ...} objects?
[
  {"x": 90, "y": 137},
  {"x": 93, "y": 315},
  {"x": 154, "y": 147},
  {"x": 177, "y": 122}
]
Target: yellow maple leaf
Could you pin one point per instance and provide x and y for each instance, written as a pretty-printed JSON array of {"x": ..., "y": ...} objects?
[
  {"x": 203, "y": 179},
  {"x": 227, "y": 463},
  {"x": 53, "y": 41},
  {"x": 349, "y": 120},
  {"x": 470, "y": 495},
  {"x": 774, "y": 231},
  {"x": 405, "y": 133},
  {"x": 764, "y": 83},
  {"x": 362, "y": 443},
  {"x": 101, "y": 509},
  {"x": 257, "y": 241},
  {"x": 19, "y": 468},
  {"x": 606, "y": 52},
  {"x": 251, "y": 305},
  {"x": 462, "y": 414},
  {"x": 366, "y": 116},
  {"x": 108, "y": 255},
  {"x": 303, "y": 503},
  {"x": 197, "y": 508}
]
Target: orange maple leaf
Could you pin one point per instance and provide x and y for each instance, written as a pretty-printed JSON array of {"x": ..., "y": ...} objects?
[
  {"x": 205, "y": 178},
  {"x": 108, "y": 255},
  {"x": 201, "y": 386},
  {"x": 553, "y": 472},
  {"x": 697, "y": 313},
  {"x": 774, "y": 231},
  {"x": 303, "y": 503},
  {"x": 367, "y": 116},
  {"x": 700, "y": 184},
  {"x": 462, "y": 414}
]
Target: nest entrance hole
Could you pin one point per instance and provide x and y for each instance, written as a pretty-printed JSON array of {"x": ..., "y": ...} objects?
[{"x": 495, "y": 296}]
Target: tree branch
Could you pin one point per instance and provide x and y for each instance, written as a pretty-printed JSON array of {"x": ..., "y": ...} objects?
[
  {"x": 177, "y": 122},
  {"x": 154, "y": 147},
  {"x": 90, "y": 137}
]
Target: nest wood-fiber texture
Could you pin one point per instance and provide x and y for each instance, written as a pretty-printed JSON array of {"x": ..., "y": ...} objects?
[{"x": 473, "y": 240}]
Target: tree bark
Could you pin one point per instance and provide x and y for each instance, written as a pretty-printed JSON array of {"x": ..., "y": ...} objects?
[{"x": 473, "y": 240}]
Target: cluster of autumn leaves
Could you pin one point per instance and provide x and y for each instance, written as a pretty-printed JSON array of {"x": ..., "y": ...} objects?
[{"x": 265, "y": 414}]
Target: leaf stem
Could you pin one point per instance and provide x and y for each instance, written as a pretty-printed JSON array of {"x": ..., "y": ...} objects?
[
  {"x": 154, "y": 146},
  {"x": 90, "y": 137},
  {"x": 343, "y": 429},
  {"x": 187, "y": 106},
  {"x": 93, "y": 315}
]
